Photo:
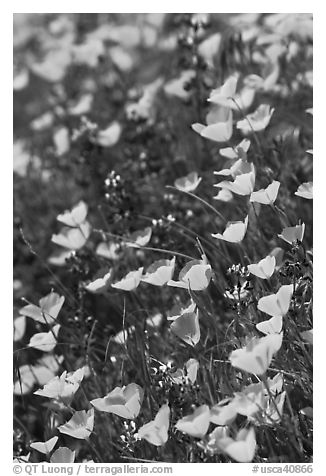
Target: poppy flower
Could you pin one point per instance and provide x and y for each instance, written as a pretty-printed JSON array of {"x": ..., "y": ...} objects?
[
  {"x": 108, "y": 137},
  {"x": 62, "y": 388},
  {"x": 223, "y": 95},
  {"x": 305, "y": 190},
  {"x": 156, "y": 431},
  {"x": 73, "y": 238},
  {"x": 196, "y": 424},
  {"x": 74, "y": 217},
  {"x": 48, "y": 309},
  {"x": 242, "y": 448},
  {"x": 186, "y": 327},
  {"x": 187, "y": 374},
  {"x": 219, "y": 126},
  {"x": 122, "y": 401},
  {"x": 130, "y": 281},
  {"x": 45, "y": 341},
  {"x": 257, "y": 355},
  {"x": 45, "y": 447},
  {"x": 264, "y": 268},
  {"x": 100, "y": 285},
  {"x": 189, "y": 183},
  {"x": 272, "y": 326},
  {"x": 266, "y": 196},
  {"x": 241, "y": 166},
  {"x": 242, "y": 185},
  {"x": 292, "y": 234},
  {"x": 234, "y": 231},
  {"x": 139, "y": 238},
  {"x": 159, "y": 272},
  {"x": 59, "y": 257},
  {"x": 108, "y": 250},
  {"x": 223, "y": 413},
  {"x": 257, "y": 120},
  {"x": 237, "y": 152},
  {"x": 224, "y": 195},
  {"x": 80, "y": 425},
  {"x": 277, "y": 304},
  {"x": 196, "y": 275}
]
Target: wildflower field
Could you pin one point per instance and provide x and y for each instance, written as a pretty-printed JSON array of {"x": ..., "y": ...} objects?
[{"x": 163, "y": 238}]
